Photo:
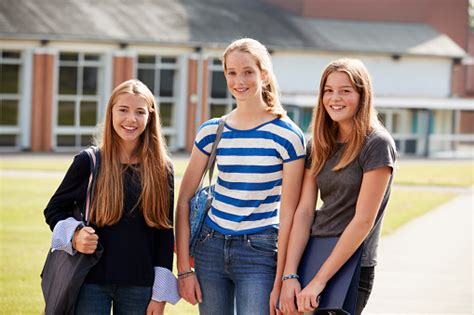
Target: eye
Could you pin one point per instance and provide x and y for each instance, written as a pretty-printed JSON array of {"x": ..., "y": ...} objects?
[
  {"x": 327, "y": 90},
  {"x": 248, "y": 72},
  {"x": 231, "y": 73},
  {"x": 346, "y": 91}
]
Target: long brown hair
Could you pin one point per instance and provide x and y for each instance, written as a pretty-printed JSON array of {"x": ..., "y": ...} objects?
[
  {"x": 325, "y": 130},
  {"x": 154, "y": 169},
  {"x": 270, "y": 90}
]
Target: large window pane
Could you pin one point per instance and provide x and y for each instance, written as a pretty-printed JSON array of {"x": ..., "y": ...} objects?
[
  {"x": 8, "y": 113},
  {"x": 89, "y": 85},
  {"x": 166, "y": 82},
  {"x": 67, "y": 80},
  {"x": 8, "y": 140},
  {"x": 9, "y": 78},
  {"x": 65, "y": 113},
  {"x": 219, "y": 86},
  {"x": 88, "y": 113},
  {"x": 166, "y": 114},
  {"x": 218, "y": 110},
  {"x": 147, "y": 76},
  {"x": 66, "y": 141}
]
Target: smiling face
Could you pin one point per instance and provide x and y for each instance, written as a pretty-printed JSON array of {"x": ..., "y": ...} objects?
[
  {"x": 244, "y": 77},
  {"x": 340, "y": 98},
  {"x": 129, "y": 118}
]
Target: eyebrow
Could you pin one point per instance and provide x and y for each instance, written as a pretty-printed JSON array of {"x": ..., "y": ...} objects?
[{"x": 344, "y": 86}]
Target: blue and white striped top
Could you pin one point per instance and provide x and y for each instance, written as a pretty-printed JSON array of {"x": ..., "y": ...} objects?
[{"x": 250, "y": 170}]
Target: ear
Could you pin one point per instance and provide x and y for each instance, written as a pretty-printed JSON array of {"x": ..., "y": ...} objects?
[{"x": 265, "y": 76}]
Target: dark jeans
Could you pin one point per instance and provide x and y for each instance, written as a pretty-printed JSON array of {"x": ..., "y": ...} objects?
[
  {"x": 365, "y": 287},
  {"x": 96, "y": 299}
]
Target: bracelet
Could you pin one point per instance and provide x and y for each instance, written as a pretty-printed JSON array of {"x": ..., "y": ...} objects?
[
  {"x": 290, "y": 276},
  {"x": 185, "y": 273}
]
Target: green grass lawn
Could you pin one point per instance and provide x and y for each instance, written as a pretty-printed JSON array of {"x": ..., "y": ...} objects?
[{"x": 25, "y": 237}]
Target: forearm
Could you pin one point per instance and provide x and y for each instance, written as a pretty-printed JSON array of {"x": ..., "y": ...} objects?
[
  {"x": 182, "y": 235},
  {"x": 300, "y": 233}
]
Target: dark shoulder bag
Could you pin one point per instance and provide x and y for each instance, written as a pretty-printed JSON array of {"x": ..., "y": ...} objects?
[
  {"x": 200, "y": 203},
  {"x": 64, "y": 274}
]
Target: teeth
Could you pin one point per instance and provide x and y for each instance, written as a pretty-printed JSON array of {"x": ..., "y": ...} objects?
[
  {"x": 337, "y": 107},
  {"x": 240, "y": 90},
  {"x": 129, "y": 128}
]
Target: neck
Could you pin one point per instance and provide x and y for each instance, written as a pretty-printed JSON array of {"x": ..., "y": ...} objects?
[
  {"x": 248, "y": 109},
  {"x": 128, "y": 154},
  {"x": 344, "y": 132}
]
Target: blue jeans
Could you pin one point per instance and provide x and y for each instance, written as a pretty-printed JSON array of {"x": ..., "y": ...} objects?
[
  {"x": 97, "y": 299},
  {"x": 238, "y": 268}
]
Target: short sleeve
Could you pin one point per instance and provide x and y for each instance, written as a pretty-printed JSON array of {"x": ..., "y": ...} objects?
[
  {"x": 291, "y": 142},
  {"x": 379, "y": 151},
  {"x": 206, "y": 136}
]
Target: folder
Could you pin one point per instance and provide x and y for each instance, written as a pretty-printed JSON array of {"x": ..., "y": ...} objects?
[{"x": 340, "y": 294}]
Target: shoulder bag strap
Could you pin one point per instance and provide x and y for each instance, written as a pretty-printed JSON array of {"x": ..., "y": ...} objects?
[
  {"x": 212, "y": 157},
  {"x": 94, "y": 158}
]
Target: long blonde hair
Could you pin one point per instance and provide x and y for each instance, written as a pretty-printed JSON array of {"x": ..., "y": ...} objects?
[
  {"x": 270, "y": 90},
  {"x": 154, "y": 169},
  {"x": 325, "y": 130}
]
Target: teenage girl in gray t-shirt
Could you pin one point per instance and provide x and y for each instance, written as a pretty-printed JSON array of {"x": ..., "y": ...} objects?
[{"x": 350, "y": 163}]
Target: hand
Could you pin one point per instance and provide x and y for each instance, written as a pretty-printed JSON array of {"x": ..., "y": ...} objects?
[
  {"x": 189, "y": 289},
  {"x": 289, "y": 290},
  {"x": 155, "y": 308},
  {"x": 274, "y": 299},
  {"x": 85, "y": 240},
  {"x": 308, "y": 298}
]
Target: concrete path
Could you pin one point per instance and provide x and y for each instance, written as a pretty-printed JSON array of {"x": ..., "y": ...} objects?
[{"x": 425, "y": 267}]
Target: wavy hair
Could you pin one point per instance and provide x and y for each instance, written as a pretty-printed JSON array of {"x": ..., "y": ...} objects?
[
  {"x": 154, "y": 169},
  {"x": 270, "y": 90},
  {"x": 325, "y": 130}
]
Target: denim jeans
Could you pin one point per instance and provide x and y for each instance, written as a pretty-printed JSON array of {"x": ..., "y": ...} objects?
[
  {"x": 235, "y": 273},
  {"x": 366, "y": 283},
  {"x": 97, "y": 299}
]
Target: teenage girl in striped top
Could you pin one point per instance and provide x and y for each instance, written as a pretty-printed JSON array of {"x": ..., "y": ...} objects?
[{"x": 260, "y": 161}]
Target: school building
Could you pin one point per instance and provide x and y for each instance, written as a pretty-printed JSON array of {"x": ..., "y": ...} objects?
[{"x": 60, "y": 60}]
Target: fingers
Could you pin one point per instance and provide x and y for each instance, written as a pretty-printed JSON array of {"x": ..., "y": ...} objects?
[
  {"x": 198, "y": 292},
  {"x": 189, "y": 289},
  {"x": 307, "y": 302},
  {"x": 86, "y": 240}
]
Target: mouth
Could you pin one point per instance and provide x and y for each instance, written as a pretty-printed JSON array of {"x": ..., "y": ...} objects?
[
  {"x": 337, "y": 107},
  {"x": 130, "y": 129},
  {"x": 241, "y": 90}
]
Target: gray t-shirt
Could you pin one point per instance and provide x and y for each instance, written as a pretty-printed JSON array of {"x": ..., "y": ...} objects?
[{"x": 339, "y": 190}]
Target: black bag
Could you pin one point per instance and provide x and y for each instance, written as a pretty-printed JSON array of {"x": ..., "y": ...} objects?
[
  {"x": 340, "y": 294},
  {"x": 64, "y": 274}
]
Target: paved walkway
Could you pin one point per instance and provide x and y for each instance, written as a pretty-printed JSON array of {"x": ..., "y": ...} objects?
[{"x": 425, "y": 267}]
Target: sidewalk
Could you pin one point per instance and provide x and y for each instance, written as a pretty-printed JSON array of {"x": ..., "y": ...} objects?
[{"x": 425, "y": 267}]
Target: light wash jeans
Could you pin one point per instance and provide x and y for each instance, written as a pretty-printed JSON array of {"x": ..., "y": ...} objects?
[
  {"x": 97, "y": 299},
  {"x": 236, "y": 273}
]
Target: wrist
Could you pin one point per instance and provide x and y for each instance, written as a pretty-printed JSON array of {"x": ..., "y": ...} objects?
[
  {"x": 185, "y": 274},
  {"x": 289, "y": 276}
]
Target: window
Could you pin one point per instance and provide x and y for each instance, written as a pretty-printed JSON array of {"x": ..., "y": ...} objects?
[
  {"x": 220, "y": 100},
  {"x": 11, "y": 64},
  {"x": 78, "y": 101},
  {"x": 160, "y": 74}
]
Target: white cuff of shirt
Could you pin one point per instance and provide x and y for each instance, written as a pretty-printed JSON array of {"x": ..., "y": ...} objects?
[
  {"x": 165, "y": 287},
  {"x": 63, "y": 233}
]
